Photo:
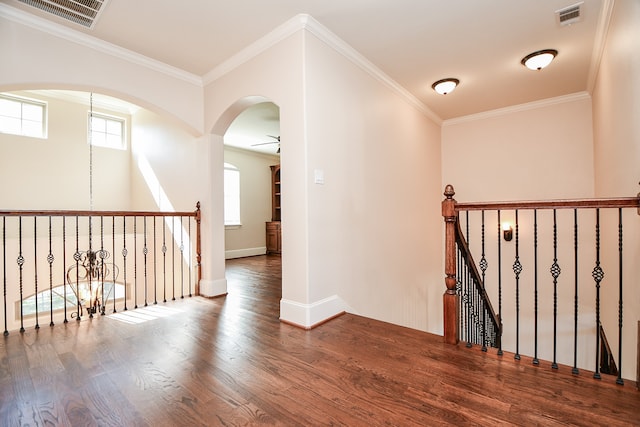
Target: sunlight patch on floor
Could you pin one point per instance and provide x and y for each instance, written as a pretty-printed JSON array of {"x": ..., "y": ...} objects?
[{"x": 144, "y": 314}]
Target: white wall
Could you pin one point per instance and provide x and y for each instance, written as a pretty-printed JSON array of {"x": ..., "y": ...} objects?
[
  {"x": 375, "y": 223},
  {"x": 532, "y": 152},
  {"x": 255, "y": 202},
  {"x": 53, "y": 173},
  {"x": 363, "y": 241},
  {"x": 616, "y": 105}
]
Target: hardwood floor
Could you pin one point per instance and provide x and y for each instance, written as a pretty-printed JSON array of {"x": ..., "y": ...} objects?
[{"x": 230, "y": 361}]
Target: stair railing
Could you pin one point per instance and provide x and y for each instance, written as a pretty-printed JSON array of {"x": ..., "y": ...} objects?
[{"x": 549, "y": 310}]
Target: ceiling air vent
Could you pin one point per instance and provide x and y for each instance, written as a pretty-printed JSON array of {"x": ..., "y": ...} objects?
[
  {"x": 82, "y": 12},
  {"x": 570, "y": 14}
]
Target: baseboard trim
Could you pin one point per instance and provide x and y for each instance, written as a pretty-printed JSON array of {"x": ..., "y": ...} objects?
[
  {"x": 241, "y": 253},
  {"x": 309, "y": 316},
  {"x": 213, "y": 288}
]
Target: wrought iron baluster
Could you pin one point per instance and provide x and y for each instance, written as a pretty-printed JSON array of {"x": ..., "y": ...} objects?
[
  {"x": 181, "y": 259},
  {"x": 135, "y": 262},
  {"x": 190, "y": 256},
  {"x": 4, "y": 272},
  {"x": 500, "y": 352},
  {"x": 483, "y": 268},
  {"x": 619, "y": 380},
  {"x": 20, "y": 261},
  {"x": 535, "y": 286},
  {"x": 76, "y": 257},
  {"x": 145, "y": 251},
  {"x": 50, "y": 260},
  {"x": 555, "y": 273},
  {"x": 64, "y": 266},
  {"x": 164, "y": 260},
  {"x": 124, "y": 258},
  {"x": 459, "y": 275},
  {"x": 35, "y": 265},
  {"x": 517, "y": 269},
  {"x": 598, "y": 275},
  {"x": 155, "y": 269},
  {"x": 173, "y": 257},
  {"x": 101, "y": 266},
  {"x": 575, "y": 370},
  {"x": 113, "y": 263}
]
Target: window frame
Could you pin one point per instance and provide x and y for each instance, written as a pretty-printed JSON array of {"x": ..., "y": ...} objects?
[
  {"x": 32, "y": 102},
  {"x": 122, "y": 121},
  {"x": 228, "y": 167}
]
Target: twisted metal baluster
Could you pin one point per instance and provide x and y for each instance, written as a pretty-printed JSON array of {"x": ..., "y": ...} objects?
[
  {"x": 190, "y": 256},
  {"x": 124, "y": 258},
  {"x": 35, "y": 265},
  {"x": 155, "y": 269},
  {"x": 164, "y": 260},
  {"x": 500, "y": 283},
  {"x": 181, "y": 259},
  {"x": 113, "y": 262},
  {"x": 517, "y": 269},
  {"x": 555, "y": 273},
  {"x": 575, "y": 370},
  {"x": 483, "y": 268},
  {"x": 50, "y": 260},
  {"x": 598, "y": 275},
  {"x": 535, "y": 285},
  {"x": 135, "y": 262},
  {"x": 145, "y": 251},
  {"x": 4, "y": 271},
  {"x": 619, "y": 380},
  {"x": 20, "y": 261},
  {"x": 64, "y": 266},
  {"x": 173, "y": 257}
]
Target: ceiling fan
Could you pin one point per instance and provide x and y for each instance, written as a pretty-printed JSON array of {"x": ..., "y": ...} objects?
[{"x": 277, "y": 141}]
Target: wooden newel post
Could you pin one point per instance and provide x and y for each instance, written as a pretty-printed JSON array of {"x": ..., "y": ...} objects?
[
  {"x": 198, "y": 249},
  {"x": 450, "y": 297}
]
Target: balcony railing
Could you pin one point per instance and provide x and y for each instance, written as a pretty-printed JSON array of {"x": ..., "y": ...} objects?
[
  {"x": 558, "y": 276},
  {"x": 62, "y": 265}
]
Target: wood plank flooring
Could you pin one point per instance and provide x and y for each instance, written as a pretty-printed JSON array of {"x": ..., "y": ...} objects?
[{"x": 230, "y": 361}]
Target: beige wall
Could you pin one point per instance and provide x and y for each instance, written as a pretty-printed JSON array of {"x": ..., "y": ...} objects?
[
  {"x": 255, "y": 202},
  {"x": 53, "y": 173},
  {"x": 616, "y": 105},
  {"x": 537, "y": 151}
]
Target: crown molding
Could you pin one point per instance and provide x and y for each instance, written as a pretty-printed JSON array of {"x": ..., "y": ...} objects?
[
  {"x": 340, "y": 46},
  {"x": 517, "y": 108},
  {"x": 254, "y": 49},
  {"x": 57, "y": 30},
  {"x": 308, "y": 23},
  {"x": 599, "y": 42}
]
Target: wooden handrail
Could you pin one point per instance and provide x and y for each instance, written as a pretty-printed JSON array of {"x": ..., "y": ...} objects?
[
  {"x": 622, "y": 202},
  {"x": 96, "y": 213}
]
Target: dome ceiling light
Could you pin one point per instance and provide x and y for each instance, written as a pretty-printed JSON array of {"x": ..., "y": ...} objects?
[
  {"x": 538, "y": 60},
  {"x": 445, "y": 86}
]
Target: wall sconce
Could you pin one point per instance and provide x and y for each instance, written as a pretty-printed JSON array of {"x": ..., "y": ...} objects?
[{"x": 507, "y": 231}]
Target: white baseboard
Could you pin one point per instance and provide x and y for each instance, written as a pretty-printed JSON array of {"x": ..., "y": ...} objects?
[
  {"x": 213, "y": 288},
  {"x": 241, "y": 253},
  {"x": 308, "y": 316}
]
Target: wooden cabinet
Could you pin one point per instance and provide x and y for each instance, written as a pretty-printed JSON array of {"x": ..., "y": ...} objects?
[
  {"x": 273, "y": 229},
  {"x": 274, "y": 243},
  {"x": 275, "y": 193}
]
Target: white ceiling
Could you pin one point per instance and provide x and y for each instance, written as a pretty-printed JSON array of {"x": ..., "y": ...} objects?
[{"x": 414, "y": 42}]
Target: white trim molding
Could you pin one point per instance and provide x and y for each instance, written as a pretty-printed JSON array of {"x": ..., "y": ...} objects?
[
  {"x": 57, "y": 30},
  {"x": 213, "y": 288},
  {"x": 241, "y": 253},
  {"x": 520, "y": 107},
  {"x": 308, "y": 316}
]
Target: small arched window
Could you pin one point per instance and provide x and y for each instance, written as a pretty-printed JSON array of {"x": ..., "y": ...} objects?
[{"x": 231, "y": 195}]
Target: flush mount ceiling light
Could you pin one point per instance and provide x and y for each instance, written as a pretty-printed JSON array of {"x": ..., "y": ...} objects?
[
  {"x": 445, "y": 86},
  {"x": 540, "y": 59}
]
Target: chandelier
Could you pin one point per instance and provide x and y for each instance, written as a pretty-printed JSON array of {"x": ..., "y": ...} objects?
[{"x": 90, "y": 278}]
